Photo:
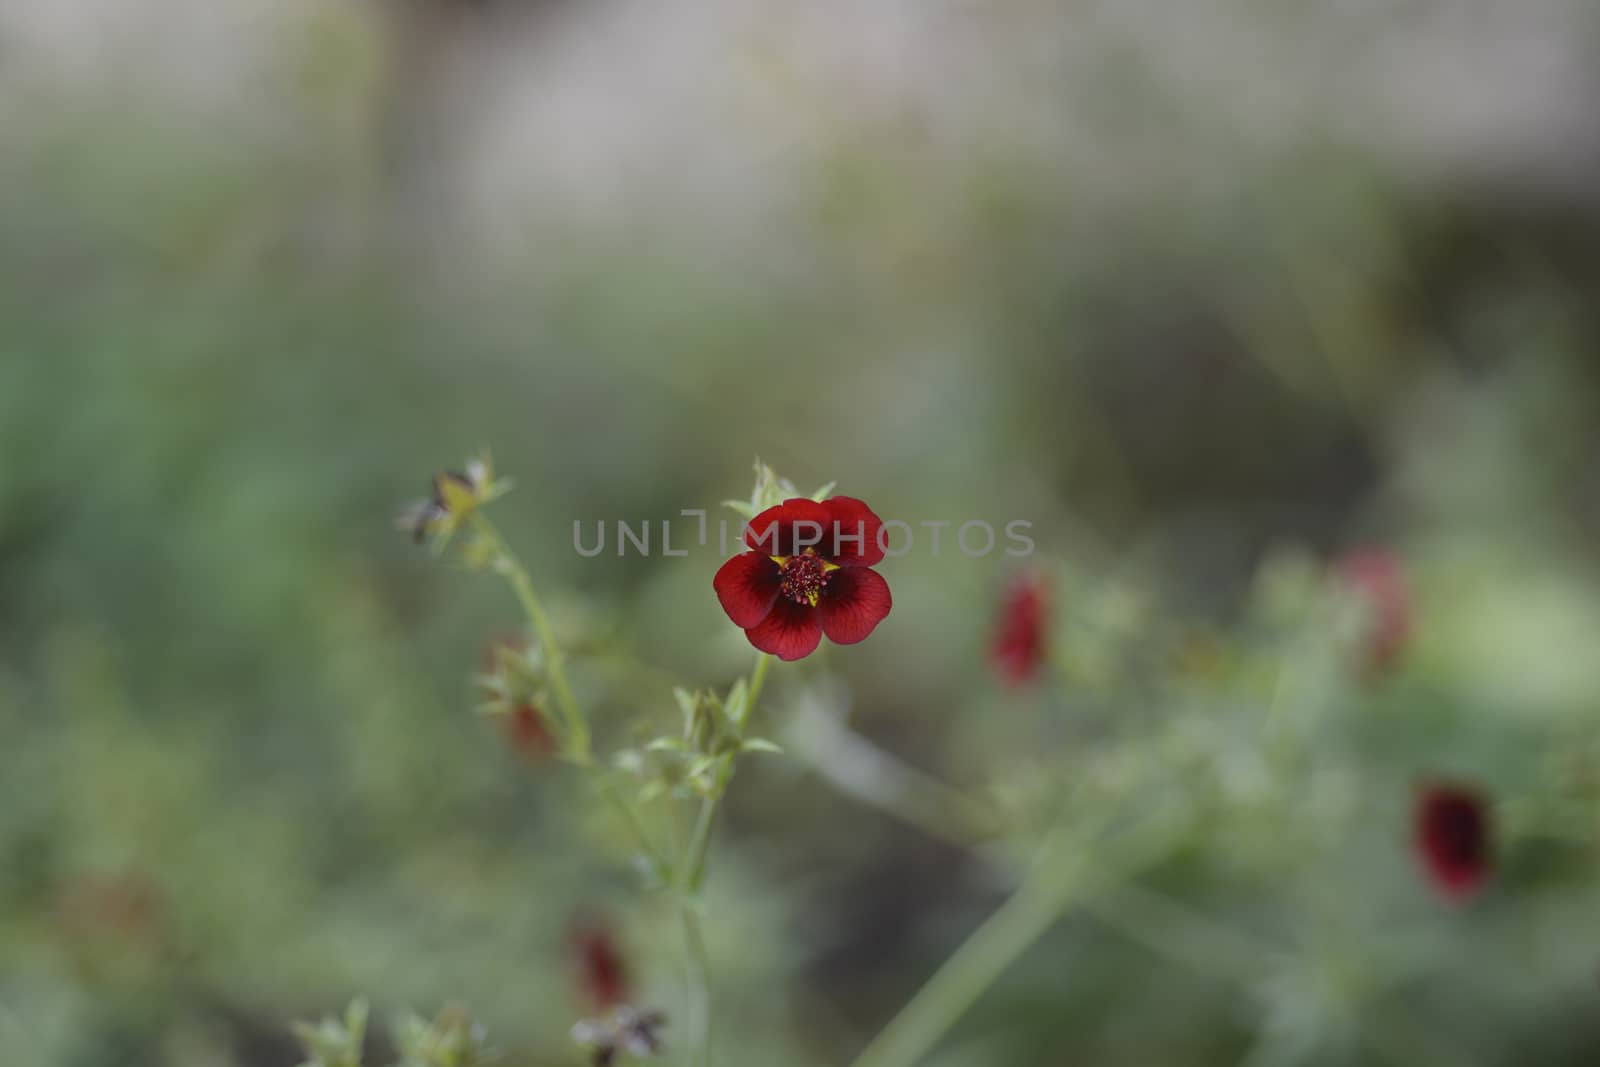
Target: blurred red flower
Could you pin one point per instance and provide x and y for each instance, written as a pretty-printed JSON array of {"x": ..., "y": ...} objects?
[
  {"x": 1453, "y": 838},
  {"x": 602, "y": 975},
  {"x": 1378, "y": 577},
  {"x": 1022, "y": 631},
  {"x": 527, "y": 734},
  {"x": 808, "y": 574}
]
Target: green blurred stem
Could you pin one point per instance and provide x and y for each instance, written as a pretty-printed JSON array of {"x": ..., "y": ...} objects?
[
  {"x": 693, "y": 872},
  {"x": 693, "y": 876},
  {"x": 1167, "y": 928},
  {"x": 861, "y": 770},
  {"x": 1064, "y": 876},
  {"x": 630, "y": 818},
  {"x": 758, "y": 678},
  {"x": 1163, "y": 926},
  {"x": 700, "y": 841},
  {"x": 576, "y": 727},
  {"x": 699, "y": 845},
  {"x": 578, "y": 751},
  {"x": 971, "y": 970},
  {"x": 699, "y": 974}
]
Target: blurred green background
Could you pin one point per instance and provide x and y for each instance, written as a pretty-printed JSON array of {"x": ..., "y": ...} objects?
[{"x": 1210, "y": 296}]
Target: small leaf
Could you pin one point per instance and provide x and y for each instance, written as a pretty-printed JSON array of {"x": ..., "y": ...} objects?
[
  {"x": 737, "y": 705},
  {"x": 688, "y": 703},
  {"x": 822, "y": 493},
  {"x": 355, "y": 1020},
  {"x": 742, "y": 507},
  {"x": 492, "y": 682},
  {"x": 761, "y": 744},
  {"x": 667, "y": 744},
  {"x": 332, "y": 1043}
]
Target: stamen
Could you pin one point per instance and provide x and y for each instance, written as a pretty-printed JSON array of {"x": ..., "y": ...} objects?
[{"x": 804, "y": 577}]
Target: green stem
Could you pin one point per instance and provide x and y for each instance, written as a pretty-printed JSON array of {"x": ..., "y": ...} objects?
[
  {"x": 1062, "y": 877},
  {"x": 630, "y": 818},
  {"x": 758, "y": 678},
  {"x": 694, "y": 870},
  {"x": 692, "y": 876},
  {"x": 577, "y": 750},
  {"x": 860, "y": 769},
  {"x": 700, "y": 840},
  {"x": 692, "y": 873},
  {"x": 1168, "y": 929},
  {"x": 576, "y": 727},
  {"x": 699, "y": 975}
]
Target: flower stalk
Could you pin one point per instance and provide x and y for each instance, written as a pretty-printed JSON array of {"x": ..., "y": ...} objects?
[
  {"x": 575, "y": 744},
  {"x": 1063, "y": 877},
  {"x": 693, "y": 867},
  {"x": 576, "y": 747}
]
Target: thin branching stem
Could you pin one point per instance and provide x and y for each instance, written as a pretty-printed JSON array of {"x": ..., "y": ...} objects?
[
  {"x": 699, "y": 975},
  {"x": 758, "y": 678},
  {"x": 1067, "y": 872},
  {"x": 574, "y": 726},
  {"x": 576, "y": 745},
  {"x": 692, "y": 878}
]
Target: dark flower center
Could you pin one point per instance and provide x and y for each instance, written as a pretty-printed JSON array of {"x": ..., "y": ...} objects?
[{"x": 803, "y": 577}]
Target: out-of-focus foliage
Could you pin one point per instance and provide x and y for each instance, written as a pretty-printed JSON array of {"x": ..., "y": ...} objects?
[{"x": 1211, "y": 299}]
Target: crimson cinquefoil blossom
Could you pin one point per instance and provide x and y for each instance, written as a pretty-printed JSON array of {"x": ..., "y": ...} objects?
[
  {"x": 601, "y": 972},
  {"x": 527, "y": 735},
  {"x": 808, "y": 573},
  {"x": 1023, "y": 630},
  {"x": 1453, "y": 838}
]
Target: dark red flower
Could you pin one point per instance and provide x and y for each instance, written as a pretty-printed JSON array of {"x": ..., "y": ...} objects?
[
  {"x": 601, "y": 973},
  {"x": 1453, "y": 838},
  {"x": 1377, "y": 576},
  {"x": 1022, "y": 631},
  {"x": 527, "y": 734},
  {"x": 809, "y": 573}
]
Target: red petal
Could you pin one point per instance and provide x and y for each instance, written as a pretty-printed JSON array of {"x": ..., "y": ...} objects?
[
  {"x": 848, "y": 518},
  {"x": 774, "y": 531},
  {"x": 747, "y": 585},
  {"x": 1453, "y": 837},
  {"x": 1020, "y": 639},
  {"x": 790, "y": 632},
  {"x": 526, "y": 732},
  {"x": 602, "y": 973},
  {"x": 853, "y": 602}
]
